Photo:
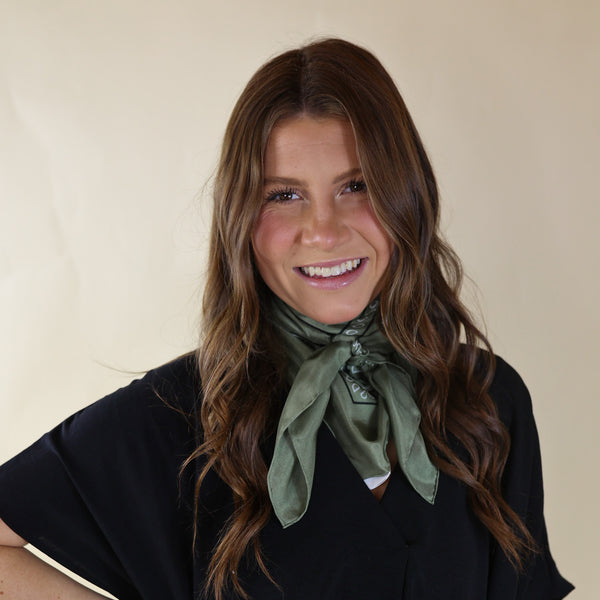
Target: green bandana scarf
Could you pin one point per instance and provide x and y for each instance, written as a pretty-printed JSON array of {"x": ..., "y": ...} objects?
[{"x": 349, "y": 376}]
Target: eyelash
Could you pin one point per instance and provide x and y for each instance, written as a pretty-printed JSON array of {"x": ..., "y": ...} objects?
[{"x": 276, "y": 194}]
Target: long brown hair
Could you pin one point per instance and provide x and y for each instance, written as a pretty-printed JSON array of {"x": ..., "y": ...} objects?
[{"x": 421, "y": 312}]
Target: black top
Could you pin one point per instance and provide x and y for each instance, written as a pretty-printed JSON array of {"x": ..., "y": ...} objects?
[{"x": 101, "y": 494}]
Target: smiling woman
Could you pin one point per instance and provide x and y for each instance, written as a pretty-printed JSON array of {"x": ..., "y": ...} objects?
[
  {"x": 317, "y": 242},
  {"x": 343, "y": 430}
]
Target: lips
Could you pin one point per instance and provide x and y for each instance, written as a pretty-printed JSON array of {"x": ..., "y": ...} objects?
[{"x": 323, "y": 272}]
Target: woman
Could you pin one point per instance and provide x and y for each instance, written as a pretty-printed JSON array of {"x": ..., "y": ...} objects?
[{"x": 350, "y": 438}]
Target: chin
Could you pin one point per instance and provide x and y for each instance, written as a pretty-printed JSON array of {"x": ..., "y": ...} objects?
[{"x": 335, "y": 315}]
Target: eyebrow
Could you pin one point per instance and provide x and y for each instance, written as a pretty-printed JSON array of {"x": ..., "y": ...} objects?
[{"x": 356, "y": 171}]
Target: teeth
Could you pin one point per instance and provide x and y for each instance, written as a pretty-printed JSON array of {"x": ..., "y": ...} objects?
[{"x": 348, "y": 265}]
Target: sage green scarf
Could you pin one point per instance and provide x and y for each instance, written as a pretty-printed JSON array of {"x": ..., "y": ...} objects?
[{"x": 349, "y": 376}]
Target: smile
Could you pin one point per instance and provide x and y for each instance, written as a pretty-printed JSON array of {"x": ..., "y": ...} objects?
[{"x": 344, "y": 267}]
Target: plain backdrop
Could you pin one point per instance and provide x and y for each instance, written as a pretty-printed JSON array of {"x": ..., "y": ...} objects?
[{"x": 111, "y": 115}]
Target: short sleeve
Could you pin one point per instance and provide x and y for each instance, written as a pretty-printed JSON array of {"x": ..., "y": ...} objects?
[
  {"x": 523, "y": 490},
  {"x": 100, "y": 493}
]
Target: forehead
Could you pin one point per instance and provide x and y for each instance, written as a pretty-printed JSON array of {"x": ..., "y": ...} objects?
[{"x": 303, "y": 139}]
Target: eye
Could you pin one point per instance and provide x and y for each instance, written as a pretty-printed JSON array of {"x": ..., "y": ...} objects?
[
  {"x": 282, "y": 195},
  {"x": 355, "y": 186}
]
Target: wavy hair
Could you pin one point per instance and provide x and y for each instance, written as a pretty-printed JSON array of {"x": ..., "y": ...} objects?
[{"x": 421, "y": 313}]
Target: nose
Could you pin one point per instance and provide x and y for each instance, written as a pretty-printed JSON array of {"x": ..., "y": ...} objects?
[{"x": 324, "y": 225}]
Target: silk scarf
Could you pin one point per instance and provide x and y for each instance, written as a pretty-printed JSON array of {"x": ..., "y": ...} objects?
[{"x": 350, "y": 377}]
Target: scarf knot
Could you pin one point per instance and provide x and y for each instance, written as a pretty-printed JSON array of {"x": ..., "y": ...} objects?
[{"x": 350, "y": 377}]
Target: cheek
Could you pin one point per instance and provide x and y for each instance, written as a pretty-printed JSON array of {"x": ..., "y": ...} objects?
[
  {"x": 272, "y": 236},
  {"x": 376, "y": 233},
  {"x": 272, "y": 230}
]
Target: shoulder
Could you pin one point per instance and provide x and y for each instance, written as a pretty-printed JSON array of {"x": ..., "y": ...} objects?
[
  {"x": 176, "y": 384},
  {"x": 522, "y": 478},
  {"x": 173, "y": 385},
  {"x": 159, "y": 405},
  {"x": 511, "y": 396}
]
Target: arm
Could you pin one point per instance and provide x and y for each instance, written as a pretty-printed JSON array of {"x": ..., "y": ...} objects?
[
  {"x": 76, "y": 493},
  {"x": 24, "y": 576}
]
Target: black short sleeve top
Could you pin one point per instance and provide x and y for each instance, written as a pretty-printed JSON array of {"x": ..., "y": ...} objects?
[{"x": 103, "y": 494}]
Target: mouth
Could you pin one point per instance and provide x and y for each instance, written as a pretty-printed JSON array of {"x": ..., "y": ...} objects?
[{"x": 335, "y": 270}]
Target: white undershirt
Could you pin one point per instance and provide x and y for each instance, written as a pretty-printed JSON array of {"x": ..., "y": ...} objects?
[{"x": 373, "y": 482}]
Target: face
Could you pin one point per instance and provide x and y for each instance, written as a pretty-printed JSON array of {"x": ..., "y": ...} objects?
[{"x": 317, "y": 243}]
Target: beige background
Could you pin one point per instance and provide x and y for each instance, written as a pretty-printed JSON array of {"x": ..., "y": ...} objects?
[{"x": 111, "y": 115}]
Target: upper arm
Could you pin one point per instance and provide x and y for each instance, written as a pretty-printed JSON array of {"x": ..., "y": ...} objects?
[{"x": 8, "y": 537}]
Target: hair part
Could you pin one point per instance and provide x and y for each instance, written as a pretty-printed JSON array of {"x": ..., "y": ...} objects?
[{"x": 421, "y": 312}]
